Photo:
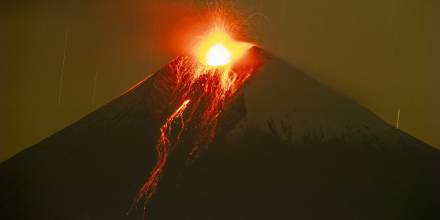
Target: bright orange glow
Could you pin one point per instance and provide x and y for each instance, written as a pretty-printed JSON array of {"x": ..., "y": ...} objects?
[
  {"x": 217, "y": 66},
  {"x": 217, "y": 48},
  {"x": 218, "y": 55}
]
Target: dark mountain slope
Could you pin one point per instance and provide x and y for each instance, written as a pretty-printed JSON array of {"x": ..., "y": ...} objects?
[
  {"x": 299, "y": 151},
  {"x": 257, "y": 176},
  {"x": 305, "y": 152}
]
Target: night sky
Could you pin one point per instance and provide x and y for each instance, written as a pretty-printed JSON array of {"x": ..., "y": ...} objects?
[{"x": 382, "y": 53}]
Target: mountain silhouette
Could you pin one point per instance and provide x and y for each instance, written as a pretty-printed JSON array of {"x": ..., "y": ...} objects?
[{"x": 286, "y": 147}]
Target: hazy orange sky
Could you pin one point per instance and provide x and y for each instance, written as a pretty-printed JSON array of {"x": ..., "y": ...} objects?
[{"x": 382, "y": 53}]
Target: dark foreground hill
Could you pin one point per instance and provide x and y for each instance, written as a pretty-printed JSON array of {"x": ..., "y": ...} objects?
[{"x": 287, "y": 148}]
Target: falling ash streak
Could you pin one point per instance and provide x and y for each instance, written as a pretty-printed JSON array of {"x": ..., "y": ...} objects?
[
  {"x": 92, "y": 105},
  {"x": 60, "y": 88}
]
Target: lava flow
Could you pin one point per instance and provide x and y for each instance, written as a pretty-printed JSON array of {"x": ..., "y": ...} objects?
[{"x": 203, "y": 83}]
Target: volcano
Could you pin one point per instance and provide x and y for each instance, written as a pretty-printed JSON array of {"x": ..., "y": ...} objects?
[{"x": 285, "y": 147}]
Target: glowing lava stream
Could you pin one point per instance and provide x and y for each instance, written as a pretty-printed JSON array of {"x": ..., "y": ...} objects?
[
  {"x": 202, "y": 87},
  {"x": 163, "y": 148}
]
